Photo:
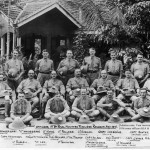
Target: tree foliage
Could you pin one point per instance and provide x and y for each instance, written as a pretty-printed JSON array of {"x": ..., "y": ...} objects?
[{"x": 117, "y": 22}]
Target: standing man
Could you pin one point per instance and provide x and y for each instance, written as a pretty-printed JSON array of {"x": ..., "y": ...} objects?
[
  {"x": 70, "y": 64},
  {"x": 31, "y": 87},
  {"x": 93, "y": 66},
  {"x": 55, "y": 86},
  {"x": 44, "y": 67},
  {"x": 15, "y": 66},
  {"x": 102, "y": 82},
  {"x": 74, "y": 86},
  {"x": 20, "y": 108},
  {"x": 140, "y": 70},
  {"x": 114, "y": 68}
]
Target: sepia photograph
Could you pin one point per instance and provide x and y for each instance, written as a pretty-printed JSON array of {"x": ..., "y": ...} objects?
[{"x": 75, "y": 74}]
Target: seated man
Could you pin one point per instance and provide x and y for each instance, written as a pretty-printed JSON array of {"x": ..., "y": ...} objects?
[
  {"x": 56, "y": 106},
  {"x": 147, "y": 86},
  {"x": 84, "y": 105},
  {"x": 102, "y": 82},
  {"x": 128, "y": 88},
  {"x": 74, "y": 85},
  {"x": 4, "y": 95},
  {"x": 20, "y": 108},
  {"x": 31, "y": 87},
  {"x": 107, "y": 105},
  {"x": 141, "y": 108},
  {"x": 50, "y": 88}
]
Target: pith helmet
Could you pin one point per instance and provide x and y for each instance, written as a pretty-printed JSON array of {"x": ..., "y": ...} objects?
[
  {"x": 115, "y": 119},
  {"x": 28, "y": 93},
  {"x": 58, "y": 119},
  {"x": 145, "y": 112},
  {"x": 84, "y": 69},
  {"x": 17, "y": 124},
  {"x": 84, "y": 119},
  {"x": 63, "y": 71},
  {"x": 101, "y": 89},
  {"x": 12, "y": 73}
]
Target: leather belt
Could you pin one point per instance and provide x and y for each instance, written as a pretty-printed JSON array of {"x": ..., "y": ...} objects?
[
  {"x": 45, "y": 72},
  {"x": 114, "y": 74},
  {"x": 92, "y": 71}
]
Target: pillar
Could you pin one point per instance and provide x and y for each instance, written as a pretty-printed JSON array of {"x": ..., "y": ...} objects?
[
  {"x": 2, "y": 45},
  {"x": 19, "y": 41},
  {"x": 49, "y": 44},
  {"x": 14, "y": 41}
]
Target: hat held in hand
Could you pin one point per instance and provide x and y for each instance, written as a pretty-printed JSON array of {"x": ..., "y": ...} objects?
[
  {"x": 77, "y": 92},
  {"x": 129, "y": 92},
  {"x": 63, "y": 71},
  {"x": 84, "y": 69},
  {"x": 53, "y": 90},
  {"x": 145, "y": 112},
  {"x": 17, "y": 124},
  {"x": 101, "y": 89},
  {"x": 28, "y": 93},
  {"x": 12, "y": 73}
]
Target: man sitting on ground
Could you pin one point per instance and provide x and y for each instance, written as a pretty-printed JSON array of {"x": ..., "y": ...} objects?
[
  {"x": 84, "y": 105},
  {"x": 20, "y": 108},
  {"x": 107, "y": 105},
  {"x": 141, "y": 108},
  {"x": 56, "y": 106}
]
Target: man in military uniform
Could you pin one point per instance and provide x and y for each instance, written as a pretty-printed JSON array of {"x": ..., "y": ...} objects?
[
  {"x": 51, "y": 87},
  {"x": 56, "y": 106},
  {"x": 140, "y": 70},
  {"x": 93, "y": 66},
  {"x": 31, "y": 87},
  {"x": 114, "y": 68},
  {"x": 128, "y": 88},
  {"x": 18, "y": 68},
  {"x": 20, "y": 108},
  {"x": 84, "y": 105},
  {"x": 102, "y": 82},
  {"x": 44, "y": 67},
  {"x": 141, "y": 108},
  {"x": 70, "y": 64},
  {"x": 74, "y": 86},
  {"x": 5, "y": 99},
  {"x": 107, "y": 105}
]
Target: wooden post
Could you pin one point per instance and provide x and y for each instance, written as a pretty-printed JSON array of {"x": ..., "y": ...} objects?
[
  {"x": 8, "y": 31},
  {"x": 2, "y": 45},
  {"x": 49, "y": 44},
  {"x": 19, "y": 41},
  {"x": 14, "y": 40}
]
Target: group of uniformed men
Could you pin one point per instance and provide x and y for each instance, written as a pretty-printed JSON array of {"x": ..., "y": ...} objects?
[{"x": 86, "y": 90}]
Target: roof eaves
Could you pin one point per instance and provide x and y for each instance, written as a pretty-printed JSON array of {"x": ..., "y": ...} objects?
[
  {"x": 35, "y": 12},
  {"x": 16, "y": 20},
  {"x": 11, "y": 21}
]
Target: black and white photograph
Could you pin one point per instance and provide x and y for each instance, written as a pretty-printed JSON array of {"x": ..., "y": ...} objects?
[{"x": 75, "y": 74}]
